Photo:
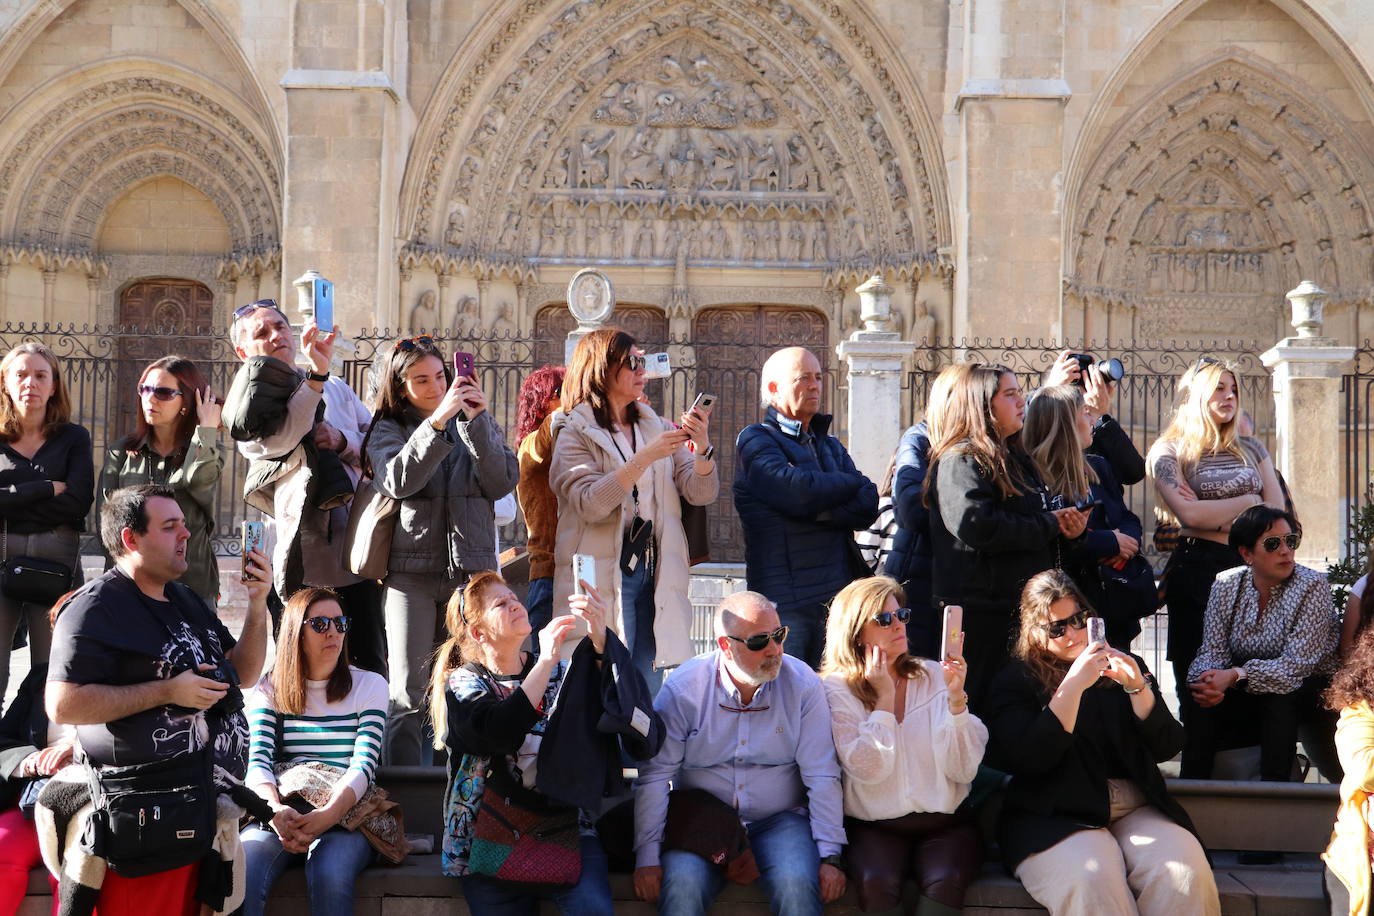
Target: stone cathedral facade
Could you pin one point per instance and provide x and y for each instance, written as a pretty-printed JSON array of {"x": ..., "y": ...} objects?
[{"x": 1031, "y": 168}]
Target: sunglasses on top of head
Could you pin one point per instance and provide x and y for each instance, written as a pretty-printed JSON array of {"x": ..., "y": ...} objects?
[
  {"x": 424, "y": 341},
  {"x": 1271, "y": 543},
  {"x": 243, "y": 311},
  {"x": 321, "y": 624},
  {"x": 759, "y": 641},
  {"x": 1057, "y": 628},
  {"x": 159, "y": 392},
  {"x": 885, "y": 618}
]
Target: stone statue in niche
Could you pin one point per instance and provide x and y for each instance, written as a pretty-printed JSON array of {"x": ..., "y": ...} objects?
[
  {"x": 820, "y": 242},
  {"x": 644, "y": 240},
  {"x": 643, "y": 168},
  {"x": 592, "y": 243},
  {"x": 923, "y": 323},
  {"x": 424, "y": 315},
  {"x": 617, "y": 236},
  {"x": 749, "y": 240},
  {"x": 547, "y": 227},
  {"x": 453, "y": 232},
  {"x": 773, "y": 237},
  {"x": 682, "y": 167},
  {"x": 593, "y": 163},
  {"x": 504, "y": 325},
  {"x": 800, "y": 175},
  {"x": 510, "y": 231},
  {"x": 557, "y": 175},
  {"x": 464, "y": 316},
  {"x": 570, "y": 237},
  {"x": 796, "y": 236},
  {"x": 764, "y": 166},
  {"x": 716, "y": 241}
]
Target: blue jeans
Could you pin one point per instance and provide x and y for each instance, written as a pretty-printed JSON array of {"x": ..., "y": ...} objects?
[
  {"x": 590, "y": 896},
  {"x": 637, "y": 602},
  {"x": 539, "y": 605},
  {"x": 333, "y": 862},
  {"x": 805, "y": 632},
  {"x": 787, "y": 859}
]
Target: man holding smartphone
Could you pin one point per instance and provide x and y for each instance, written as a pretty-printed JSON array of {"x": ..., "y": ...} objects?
[
  {"x": 320, "y": 414},
  {"x": 796, "y": 485}
]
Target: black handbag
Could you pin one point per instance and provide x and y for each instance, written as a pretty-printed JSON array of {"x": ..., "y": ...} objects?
[
  {"x": 637, "y": 547},
  {"x": 32, "y": 579},
  {"x": 1131, "y": 588},
  {"x": 152, "y": 817}
]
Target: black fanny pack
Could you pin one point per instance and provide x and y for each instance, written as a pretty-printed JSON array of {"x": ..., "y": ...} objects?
[{"x": 152, "y": 817}]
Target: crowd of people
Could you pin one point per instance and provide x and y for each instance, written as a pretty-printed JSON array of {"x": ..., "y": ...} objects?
[{"x": 899, "y": 658}]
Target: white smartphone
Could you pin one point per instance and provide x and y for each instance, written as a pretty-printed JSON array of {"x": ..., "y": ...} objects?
[
  {"x": 703, "y": 404},
  {"x": 584, "y": 570},
  {"x": 949, "y": 636},
  {"x": 1097, "y": 630},
  {"x": 656, "y": 365}
]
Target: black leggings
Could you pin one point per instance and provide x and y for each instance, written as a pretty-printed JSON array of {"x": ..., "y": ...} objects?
[
  {"x": 942, "y": 852},
  {"x": 1241, "y": 717}
]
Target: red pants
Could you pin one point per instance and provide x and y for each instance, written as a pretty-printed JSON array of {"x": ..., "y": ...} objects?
[
  {"x": 18, "y": 854},
  {"x": 167, "y": 893}
]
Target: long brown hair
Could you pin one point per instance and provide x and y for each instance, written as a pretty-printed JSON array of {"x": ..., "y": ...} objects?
[
  {"x": 966, "y": 425},
  {"x": 1354, "y": 680},
  {"x": 597, "y": 358},
  {"x": 59, "y": 407},
  {"x": 289, "y": 673},
  {"x": 853, "y": 607},
  {"x": 462, "y": 617},
  {"x": 1032, "y": 643},
  {"x": 189, "y": 381},
  {"x": 1050, "y": 436},
  {"x": 390, "y": 402}
]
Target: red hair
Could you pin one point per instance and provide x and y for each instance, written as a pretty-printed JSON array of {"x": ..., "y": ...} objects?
[{"x": 541, "y": 386}]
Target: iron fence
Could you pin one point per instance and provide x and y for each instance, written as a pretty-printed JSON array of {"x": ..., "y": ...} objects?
[{"x": 1357, "y": 455}]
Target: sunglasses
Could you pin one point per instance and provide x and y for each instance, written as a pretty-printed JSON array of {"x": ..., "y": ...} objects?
[
  {"x": 424, "y": 341},
  {"x": 885, "y": 618},
  {"x": 1271, "y": 544},
  {"x": 759, "y": 641},
  {"x": 634, "y": 362},
  {"x": 159, "y": 392},
  {"x": 243, "y": 311},
  {"x": 321, "y": 624},
  {"x": 1057, "y": 628}
]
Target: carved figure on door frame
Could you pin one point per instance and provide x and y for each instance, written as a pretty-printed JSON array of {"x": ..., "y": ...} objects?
[{"x": 593, "y": 165}]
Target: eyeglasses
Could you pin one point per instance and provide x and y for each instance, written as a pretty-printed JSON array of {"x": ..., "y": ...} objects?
[
  {"x": 759, "y": 641},
  {"x": 159, "y": 392},
  {"x": 1057, "y": 628},
  {"x": 424, "y": 341},
  {"x": 635, "y": 362},
  {"x": 243, "y": 311},
  {"x": 1271, "y": 544},
  {"x": 885, "y": 618},
  {"x": 321, "y": 624},
  {"x": 1204, "y": 361}
]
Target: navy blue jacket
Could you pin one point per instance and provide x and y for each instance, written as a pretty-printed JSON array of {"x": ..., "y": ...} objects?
[
  {"x": 912, "y": 554},
  {"x": 799, "y": 511}
]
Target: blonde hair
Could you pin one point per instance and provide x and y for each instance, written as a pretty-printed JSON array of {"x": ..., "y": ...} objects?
[
  {"x": 1032, "y": 642},
  {"x": 1051, "y": 437},
  {"x": 1193, "y": 430},
  {"x": 937, "y": 399},
  {"x": 462, "y": 616},
  {"x": 58, "y": 410},
  {"x": 854, "y": 606},
  {"x": 965, "y": 425}
]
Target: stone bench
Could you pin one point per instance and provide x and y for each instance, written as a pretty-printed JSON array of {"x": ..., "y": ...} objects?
[{"x": 1293, "y": 818}]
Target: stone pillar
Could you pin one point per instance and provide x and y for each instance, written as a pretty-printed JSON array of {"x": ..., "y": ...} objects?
[
  {"x": 1307, "y": 398},
  {"x": 877, "y": 359},
  {"x": 4, "y": 285},
  {"x": 49, "y": 293},
  {"x": 93, "y": 284}
]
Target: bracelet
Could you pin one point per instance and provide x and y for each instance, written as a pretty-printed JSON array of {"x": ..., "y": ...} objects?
[
  {"x": 1133, "y": 692},
  {"x": 314, "y": 376}
]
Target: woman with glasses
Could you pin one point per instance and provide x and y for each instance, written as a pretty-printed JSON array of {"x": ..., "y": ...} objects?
[
  {"x": 434, "y": 446},
  {"x": 1269, "y": 645},
  {"x": 313, "y": 708},
  {"x": 909, "y": 749},
  {"x": 1088, "y": 826},
  {"x": 540, "y": 395},
  {"x": 620, "y": 474},
  {"x": 176, "y": 442},
  {"x": 1205, "y": 473},
  {"x": 991, "y": 523},
  {"x": 490, "y": 700},
  {"x": 47, "y": 479}
]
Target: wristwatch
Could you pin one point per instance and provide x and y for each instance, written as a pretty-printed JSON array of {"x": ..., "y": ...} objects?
[
  {"x": 710, "y": 453},
  {"x": 835, "y": 860},
  {"x": 314, "y": 376}
]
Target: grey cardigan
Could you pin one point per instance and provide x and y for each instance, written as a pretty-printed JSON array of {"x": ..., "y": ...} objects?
[{"x": 446, "y": 483}]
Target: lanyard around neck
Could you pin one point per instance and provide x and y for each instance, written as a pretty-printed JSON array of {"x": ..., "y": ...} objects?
[{"x": 634, "y": 447}]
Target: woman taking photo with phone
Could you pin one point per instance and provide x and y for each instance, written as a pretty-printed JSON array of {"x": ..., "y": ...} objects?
[
  {"x": 620, "y": 474},
  {"x": 314, "y": 707},
  {"x": 434, "y": 446},
  {"x": 47, "y": 480},
  {"x": 1058, "y": 430},
  {"x": 1088, "y": 825},
  {"x": 909, "y": 749},
  {"x": 176, "y": 442},
  {"x": 991, "y": 523},
  {"x": 1206, "y": 474}
]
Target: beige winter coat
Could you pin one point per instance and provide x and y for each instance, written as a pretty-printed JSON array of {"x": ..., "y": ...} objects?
[{"x": 594, "y": 510}]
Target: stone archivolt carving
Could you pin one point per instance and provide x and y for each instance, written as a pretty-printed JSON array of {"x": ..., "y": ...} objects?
[
  {"x": 1216, "y": 198},
  {"x": 58, "y": 176},
  {"x": 725, "y": 114}
]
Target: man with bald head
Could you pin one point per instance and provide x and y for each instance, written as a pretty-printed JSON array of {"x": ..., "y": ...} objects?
[
  {"x": 800, "y": 499},
  {"x": 751, "y": 726}
]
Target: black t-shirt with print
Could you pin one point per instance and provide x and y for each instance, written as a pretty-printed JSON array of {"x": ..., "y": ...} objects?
[{"x": 112, "y": 633}]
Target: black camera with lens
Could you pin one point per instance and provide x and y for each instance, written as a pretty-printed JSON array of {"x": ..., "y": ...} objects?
[
  {"x": 1110, "y": 369},
  {"x": 232, "y": 701}
]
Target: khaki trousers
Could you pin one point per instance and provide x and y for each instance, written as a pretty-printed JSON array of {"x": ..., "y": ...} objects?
[{"x": 1140, "y": 864}]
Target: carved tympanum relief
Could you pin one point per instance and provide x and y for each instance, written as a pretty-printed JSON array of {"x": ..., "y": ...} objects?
[
  {"x": 1213, "y": 200},
  {"x": 639, "y": 132}
]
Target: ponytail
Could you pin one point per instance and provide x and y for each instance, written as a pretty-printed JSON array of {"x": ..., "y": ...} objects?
[
  {"x": 447, "y": 657},
  {"x": 463, "y": 609}
]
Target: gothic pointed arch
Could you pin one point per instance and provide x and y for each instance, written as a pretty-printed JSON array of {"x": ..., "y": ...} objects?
[
  {"x": 1203, "y": 206},
  {"x": 711, "y": 133}
]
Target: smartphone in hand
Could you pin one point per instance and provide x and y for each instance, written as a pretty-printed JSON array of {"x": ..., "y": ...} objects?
[
  {"x": 463, "y": 364},
  {"x": 703, "y": 404},
  {"x": 949, "y": 635},
  {"x": 584, "y": 570},
  {"x": 1097, "y": 631},
  {"x": 251, "y": 535},
  {"x": 322, "y": 292}
]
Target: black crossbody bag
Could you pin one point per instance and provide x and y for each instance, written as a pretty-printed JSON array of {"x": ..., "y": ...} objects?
[{"x": 31, "y": 579}]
